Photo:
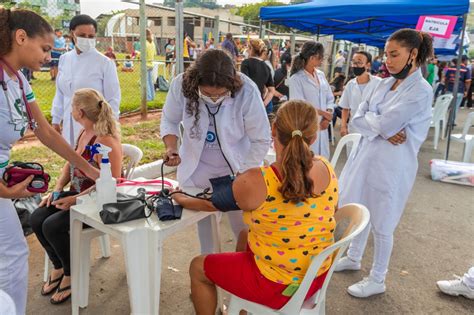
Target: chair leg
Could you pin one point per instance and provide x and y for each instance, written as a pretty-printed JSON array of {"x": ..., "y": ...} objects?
[
  {"x": 443, "y": 133},
  {"x": 436, "y": 136},
  {"x": 105, "y": 245},
  {"x": 467, "y": 151},
  {"x": 46, "y": 267}
]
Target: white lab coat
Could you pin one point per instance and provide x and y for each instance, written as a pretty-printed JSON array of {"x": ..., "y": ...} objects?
[
  {"x": 352, "y": 96},
  {"x": 302, "y": 87},
  {"x": 242, "y": 125},
  {"x": 381, "y": 175},
  {"x": 85, "y": 70}
]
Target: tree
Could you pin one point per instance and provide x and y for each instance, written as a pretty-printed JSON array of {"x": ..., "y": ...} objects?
[{"x": 251, "y": 13}]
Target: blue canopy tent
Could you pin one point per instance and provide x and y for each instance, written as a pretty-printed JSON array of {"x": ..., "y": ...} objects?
[
  {"x": 369, "y": 21},
  {"x": 369, "y": 17}
]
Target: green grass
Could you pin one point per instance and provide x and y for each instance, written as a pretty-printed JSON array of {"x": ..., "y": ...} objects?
[
  {"x": 45, "y": 89},
  {"x": 142, "y": 134}
]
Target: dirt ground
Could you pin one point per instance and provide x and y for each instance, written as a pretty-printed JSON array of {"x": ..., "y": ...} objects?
[{"x": 433, "y": 241}]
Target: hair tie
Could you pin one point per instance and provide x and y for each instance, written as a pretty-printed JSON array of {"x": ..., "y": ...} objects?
[
  {"x": 295, "y": 133},
  {"x": 100, "y": 103}
]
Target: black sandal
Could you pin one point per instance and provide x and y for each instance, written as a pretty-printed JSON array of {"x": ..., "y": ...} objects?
[
  {"x": 59, "y": 290},
  {"x": 57, "y": 280}
]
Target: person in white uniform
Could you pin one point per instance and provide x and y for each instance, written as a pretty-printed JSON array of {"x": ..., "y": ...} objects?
[
  {"x": 27, "y": 40},
  {"x": 461, "y": 286},
  {"x": 309, "y": 84},
  {"x": 394, "y": 122},
  {"x": 226, "y": 129},
  {"x": 83, "y": 67},
  {"x": 357, "y": 90}
]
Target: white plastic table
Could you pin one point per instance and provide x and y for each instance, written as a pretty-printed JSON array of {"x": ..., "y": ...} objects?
[{"x": 142, "y": 243}]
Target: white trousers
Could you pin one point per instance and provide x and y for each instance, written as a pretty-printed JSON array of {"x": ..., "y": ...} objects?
[
  {"x": 13, "y": 256},
  {"x": 468, "y": 278},
  {"x": 205, "y": 230},
  {"x": 383, "y": 245}
]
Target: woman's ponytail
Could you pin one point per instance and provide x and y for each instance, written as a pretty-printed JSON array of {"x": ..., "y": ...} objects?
[
  {"x": 298, "y": 64},
  {"x": 5, "y": 32},
  {"x": 296, "y": 125},
  {"x": 106, "y": 125}
]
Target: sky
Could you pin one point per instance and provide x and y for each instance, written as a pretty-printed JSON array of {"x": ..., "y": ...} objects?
[{"x": 94, "y": 7}]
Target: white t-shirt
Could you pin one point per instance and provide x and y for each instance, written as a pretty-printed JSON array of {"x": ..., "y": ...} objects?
[
  {"x": 212, "y": 163},
  {"x": 13, "y": 116}
]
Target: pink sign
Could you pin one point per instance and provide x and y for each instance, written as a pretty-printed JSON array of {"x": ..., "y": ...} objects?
[{"x": 437, "y": 25}]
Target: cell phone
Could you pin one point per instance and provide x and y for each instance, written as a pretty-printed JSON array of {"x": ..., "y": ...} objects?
[{"x": 56, "y": 195}]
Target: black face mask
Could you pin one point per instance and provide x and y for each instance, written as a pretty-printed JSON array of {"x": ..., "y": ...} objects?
[
  {"x": 404, "y": 73},
  {"x": 358, "y": 70}
]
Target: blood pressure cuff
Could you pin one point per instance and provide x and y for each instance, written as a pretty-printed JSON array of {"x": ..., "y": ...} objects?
[{"x": 222, "y": 195}]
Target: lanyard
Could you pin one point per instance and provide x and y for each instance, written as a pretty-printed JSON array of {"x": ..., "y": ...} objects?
[{"x": 31, "y": 121}]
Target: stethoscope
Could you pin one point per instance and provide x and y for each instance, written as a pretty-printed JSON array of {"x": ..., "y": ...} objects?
[
  {"x": 213, "y": 115},
  {"x": 24, "y": 120}
]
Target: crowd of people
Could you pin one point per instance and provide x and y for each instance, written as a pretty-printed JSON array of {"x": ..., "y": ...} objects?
[{"x": 281, "y": 214}]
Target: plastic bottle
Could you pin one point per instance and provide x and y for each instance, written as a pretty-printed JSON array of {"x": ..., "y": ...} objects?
[{"x": 106, "y": 185}]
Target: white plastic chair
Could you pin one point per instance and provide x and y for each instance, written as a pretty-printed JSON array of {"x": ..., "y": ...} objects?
[
  {"x": 439, "y": 119},
  {"x": 359, "y": 218},
  {"x": 134, "y": 154},
  {"x": 465, "y": 138},
  {"x": 353, "y": 138}
]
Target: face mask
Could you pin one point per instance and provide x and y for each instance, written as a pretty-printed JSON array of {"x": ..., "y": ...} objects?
[
  {"x": 404, "y": 72},
  {"x": 358, "y": 70},
  {"x": 208, "y": 100},
  {"x": 85, "y": 44}
]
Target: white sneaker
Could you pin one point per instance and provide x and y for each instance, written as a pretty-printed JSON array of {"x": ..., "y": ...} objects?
[
  {"x": 456, "y": 287},
  {"x": 365, "y": 288},
  {"x": 345, "y": 263}
]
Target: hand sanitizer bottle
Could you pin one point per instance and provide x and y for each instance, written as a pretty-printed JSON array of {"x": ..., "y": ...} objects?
[{"x": 106, "y": 185}]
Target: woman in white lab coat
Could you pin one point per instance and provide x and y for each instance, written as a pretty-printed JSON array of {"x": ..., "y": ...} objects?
[
  {"x": 83, "y": 67},
  {"x": 226, "y": 129},
  {"x": 309, "y": 84},
  {"x": 357, "y": 90},
  {"x": 26, "y": 42},
  {"x": 394, "y": 123}
]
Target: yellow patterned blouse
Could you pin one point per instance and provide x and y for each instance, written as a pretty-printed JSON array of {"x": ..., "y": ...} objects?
[{"x": 284, "y": 236}]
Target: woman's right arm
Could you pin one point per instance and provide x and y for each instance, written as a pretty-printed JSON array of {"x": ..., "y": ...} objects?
[
  {"x": 64, "y": 178},
  {"x": 170, "y": 120}
]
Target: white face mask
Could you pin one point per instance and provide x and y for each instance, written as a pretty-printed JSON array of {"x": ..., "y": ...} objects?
[
  {"x": 208, "y": 100},
  {"x": 85, "y": 44}
]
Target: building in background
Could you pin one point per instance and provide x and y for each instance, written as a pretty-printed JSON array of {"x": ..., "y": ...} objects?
[{"x": 123, "y": 29}]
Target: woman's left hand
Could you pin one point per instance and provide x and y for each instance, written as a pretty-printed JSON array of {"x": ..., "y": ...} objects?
[{"x": 65, "y": 203}]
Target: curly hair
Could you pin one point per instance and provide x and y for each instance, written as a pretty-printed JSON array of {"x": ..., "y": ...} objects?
[{"x": 214, "y": 68}]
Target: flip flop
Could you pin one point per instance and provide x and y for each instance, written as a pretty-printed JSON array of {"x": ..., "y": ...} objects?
[
  {"x": 57, "y": 280},
  {"x": 59, "y": 290}
]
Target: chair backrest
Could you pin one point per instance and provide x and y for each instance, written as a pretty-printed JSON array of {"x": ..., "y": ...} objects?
[
  {"x": 353, "y": 138},
  {"x": 441, "y": 106},
  {"x": 467, "y": 124},
  {"x": 358, "y": 217},
  {"x": 134, "y": 154}
]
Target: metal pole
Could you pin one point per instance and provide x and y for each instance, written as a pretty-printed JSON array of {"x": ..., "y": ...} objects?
[
  {"x": 179, "y": 36},
  {"x": 333, "y": 57},
  {"x": 217, "y": 37},
  {"x": 143, "y": 57},
  {"x": 347, "y": 63},
  {"x": 455, "y": 87},
  {"x": 293, "y": 44}
]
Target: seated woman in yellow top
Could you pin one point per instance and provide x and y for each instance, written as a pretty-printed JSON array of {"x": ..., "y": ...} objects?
[{"x": 289, "y": 208}]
